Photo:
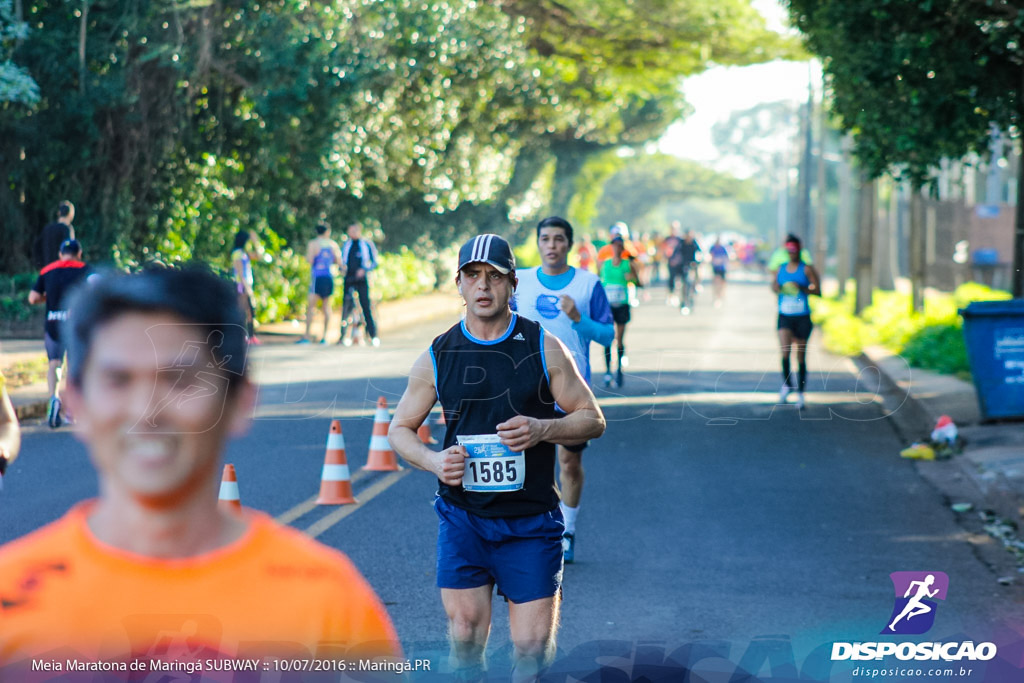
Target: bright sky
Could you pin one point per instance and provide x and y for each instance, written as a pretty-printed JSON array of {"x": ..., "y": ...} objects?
[{"x": 721, "y": 90}]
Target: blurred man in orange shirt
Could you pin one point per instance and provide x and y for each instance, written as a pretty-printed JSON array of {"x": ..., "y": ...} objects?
[
  {"x": 630, "y": 250},
  {"x": 152, "y": 569}
]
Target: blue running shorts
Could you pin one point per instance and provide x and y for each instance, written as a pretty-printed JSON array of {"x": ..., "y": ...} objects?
[
  {"x": 322, "y": 286},
  {"x": 521, "y": 555}
]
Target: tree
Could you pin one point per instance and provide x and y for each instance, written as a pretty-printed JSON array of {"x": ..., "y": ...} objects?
[
  {"x": 647, "y": 181},
  {"x": 16, "y": 85},
  {"x": 918, "y": 81},
  {"x": 175, "y": 124}
]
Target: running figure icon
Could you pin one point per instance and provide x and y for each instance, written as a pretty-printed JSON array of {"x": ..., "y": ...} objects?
[{"x": 915, "y": 606}]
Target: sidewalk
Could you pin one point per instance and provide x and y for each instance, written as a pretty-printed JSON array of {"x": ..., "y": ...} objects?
[
  {"x": 30, "y": 401},
  {"x": 992, "y": 463}
]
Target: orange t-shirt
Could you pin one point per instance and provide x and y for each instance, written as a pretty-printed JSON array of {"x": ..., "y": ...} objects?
[
  {"x": 606, "y": 252},
  {"x": 273, "y": 592},
  {"x": 587, "y": 255}
]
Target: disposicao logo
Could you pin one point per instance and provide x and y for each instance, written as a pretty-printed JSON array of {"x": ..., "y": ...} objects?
[{"x": 913, "y": 612}]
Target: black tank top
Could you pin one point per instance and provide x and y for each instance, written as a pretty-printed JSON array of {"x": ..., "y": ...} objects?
[{"x": 480, "y": 384}]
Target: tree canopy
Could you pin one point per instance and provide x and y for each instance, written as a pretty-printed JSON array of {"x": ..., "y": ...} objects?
[
  {"x": 171, "y": 125},
  {"x": 918, "y": 81}
]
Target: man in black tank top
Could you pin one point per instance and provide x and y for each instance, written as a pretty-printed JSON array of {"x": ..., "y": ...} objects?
[{"x": 498, "y": 377}]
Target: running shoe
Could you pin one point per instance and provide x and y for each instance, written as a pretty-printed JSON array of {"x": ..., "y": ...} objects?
[
  {"x": 345, "y": 341},
  {"x": 255, "y": 341},
  {"x": 568, "y": 547},
  {"x": 53, "y": 414},
  {"x": 375, "y": 341},
  {"x": 800, "y": 401},
  {"x": 323, "y": 341},
  {"x": 624, "y": 361},
  {"x": 607, "y": 379},
  {"x": 303, "y": 341},
  {"x": 685, "y": 310},
  {"x": 784, "y": 392}
]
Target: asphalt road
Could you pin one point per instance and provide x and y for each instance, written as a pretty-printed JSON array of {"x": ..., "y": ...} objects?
[{"x": 718, "y": 529}]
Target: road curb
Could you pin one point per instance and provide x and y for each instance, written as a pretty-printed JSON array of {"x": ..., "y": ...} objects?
[
  {"x": 913, "y": 421},
  {"x": 30, "y": 411}
]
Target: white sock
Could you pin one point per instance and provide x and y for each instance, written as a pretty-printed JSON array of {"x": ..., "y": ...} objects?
[{"x": 570, "y": 517}]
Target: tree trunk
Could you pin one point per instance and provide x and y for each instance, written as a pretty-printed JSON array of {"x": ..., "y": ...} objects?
[
  {"x": 917, "y": 249},
  {"x": 570, "y": 158},
  {"x": 865, "y": 241},
  {"x": 820, "y": 223},
  {"x": 82, "y": 30},
  {"x": 881, "y": 266},
  {"x": 844, "y": 230}
]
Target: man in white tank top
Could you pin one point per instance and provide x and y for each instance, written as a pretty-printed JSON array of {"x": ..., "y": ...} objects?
[{"x": 571, "y": 304}]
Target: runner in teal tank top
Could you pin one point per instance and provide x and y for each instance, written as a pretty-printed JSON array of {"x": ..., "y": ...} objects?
[
  {"x": 794, "y": 281},
  {"x": 617, "y": 273}
]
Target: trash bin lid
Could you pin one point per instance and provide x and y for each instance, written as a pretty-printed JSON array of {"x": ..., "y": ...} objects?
[{"x": 987, "y": 308}]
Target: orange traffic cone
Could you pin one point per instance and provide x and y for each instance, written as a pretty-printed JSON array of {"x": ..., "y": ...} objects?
[
  {"x": 381, "y": 458},
  {"x": 335, "y": 482},
  {"x": 424, "y": 433},
  {"x": 228, "y": 499}
]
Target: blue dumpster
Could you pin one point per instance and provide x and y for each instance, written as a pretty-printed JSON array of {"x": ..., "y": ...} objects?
[{"x": 994, "y": 333}]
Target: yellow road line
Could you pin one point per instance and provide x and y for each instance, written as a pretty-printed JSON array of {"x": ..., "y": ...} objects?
[
  {"x": 366, "y": 496},
  {"x": 305, "y": 506}
]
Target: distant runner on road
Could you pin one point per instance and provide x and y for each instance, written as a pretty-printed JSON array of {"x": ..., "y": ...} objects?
[
  {"x": 571, "y": 304},
  {"x": 719, "y": 254},
  {"x": 498, "y": 377},
  {"x": 794, "y": 282},
  {"x": 52, "y": 286},
  {"x": 617, "y": 273}
]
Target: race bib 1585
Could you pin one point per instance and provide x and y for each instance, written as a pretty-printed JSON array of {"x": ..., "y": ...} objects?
[{"x": 491, "y": 466}]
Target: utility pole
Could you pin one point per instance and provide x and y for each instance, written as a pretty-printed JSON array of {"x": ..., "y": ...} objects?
[{"x": 803, "y": 207}]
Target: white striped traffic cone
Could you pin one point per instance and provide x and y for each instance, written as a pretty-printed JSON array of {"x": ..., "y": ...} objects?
[
  {"x": 424, "y": 433},
  {"x": 228, "y": 498},
  {"x": 335, "y": 482},
  {"x": 381, "y": 458}
]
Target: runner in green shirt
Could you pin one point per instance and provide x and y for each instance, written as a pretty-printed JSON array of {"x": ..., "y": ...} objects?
[{"x": 617, "y": 273}]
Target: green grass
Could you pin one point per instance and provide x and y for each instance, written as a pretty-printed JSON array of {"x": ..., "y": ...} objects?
[{"x": 932, "y": 340}]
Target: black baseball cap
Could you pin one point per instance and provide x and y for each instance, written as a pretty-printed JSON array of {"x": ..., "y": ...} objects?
[
  {"x": 490, "y": 249},
  {"x": 70, "y": 247}
]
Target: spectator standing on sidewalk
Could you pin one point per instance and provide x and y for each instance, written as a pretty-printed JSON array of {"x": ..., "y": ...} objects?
[
  {"x": 241, "y": 262},
  {"x": 47, "y": 246},
  {"x": 359, "y": 257}
]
